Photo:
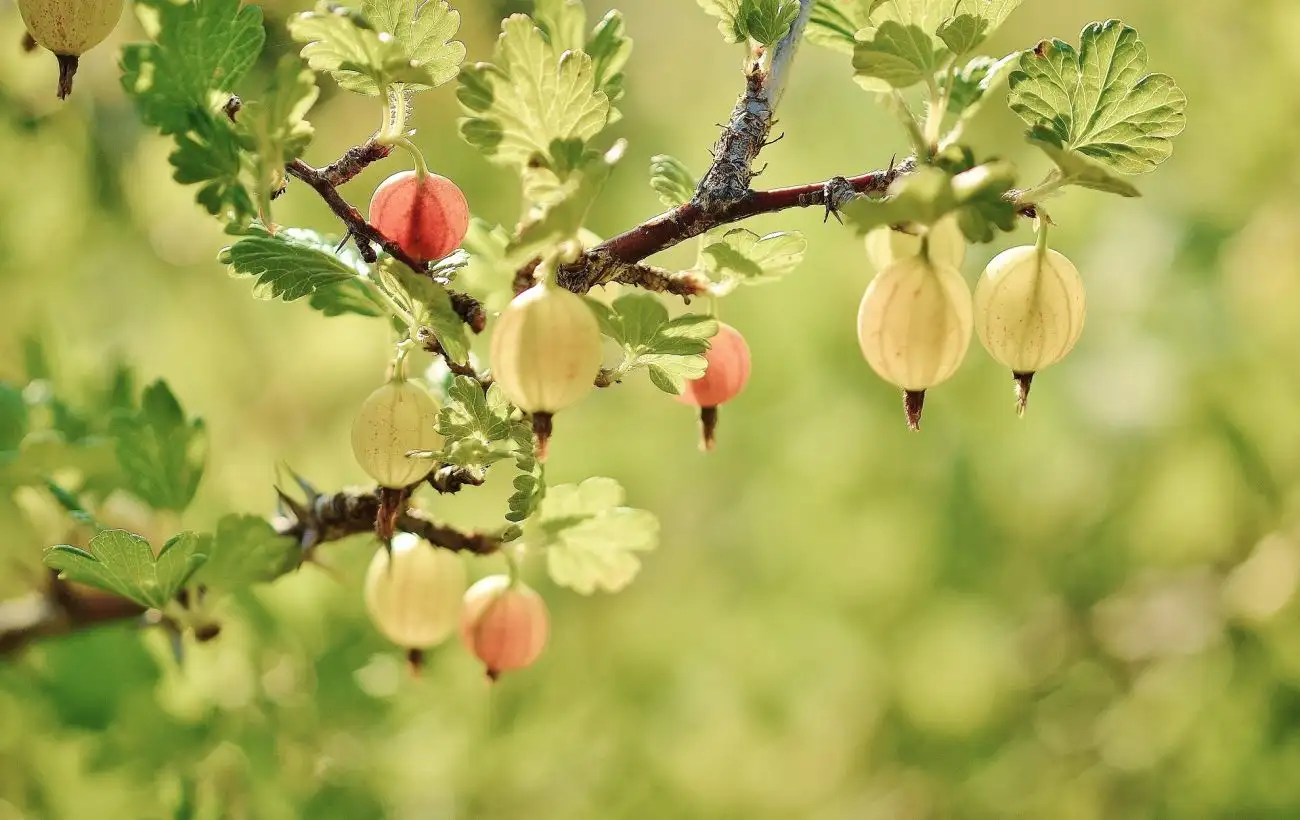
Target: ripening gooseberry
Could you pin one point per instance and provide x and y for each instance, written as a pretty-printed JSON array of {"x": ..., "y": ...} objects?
[
  {"x": 413, "y": 596},
  {"x": 914, "y": 326},
  {"x": 947, "y": 244},
  {"x": 545, "y": 353},
  {"x": 1029, "y": 312},
  {"x": 69, "y": 28},
  {"x": 398, "y": 418},
  {"x": 426, "y": 217},
  {"x": 505, "y": 625},
  {"x": 727, "y": 366}
]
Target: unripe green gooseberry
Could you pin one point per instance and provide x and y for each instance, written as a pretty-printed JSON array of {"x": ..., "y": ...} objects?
[
  {"x": 398, "y": 418},
  {"x": 914, "y": 326},
  {"x": 1029, "y": 311},
  {"x": 504, "y": 624},
  {"x": 69, "y": 28},
  {"x": 546, "y": 353},
  {"x": 414, "y": 596},
  {"x": 947, "y": 244},
  {"x": 427, "y": 217}
]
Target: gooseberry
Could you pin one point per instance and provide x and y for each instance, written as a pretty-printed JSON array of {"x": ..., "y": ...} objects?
[
  {"x": 504, "y": 623},
  {"x": 426, "y": 216},
  {"x": 413, "y": 594},
  {"x": 546, "y": 353},
  {"x": 398, "y": 418},
  {"x": 69, "y": 28},
  {"x": 914, "y": 326},
  {"x": 1029, "y": 311},
  {"x": 726, "y": 372},
  {"x": 947, "y": 244}
]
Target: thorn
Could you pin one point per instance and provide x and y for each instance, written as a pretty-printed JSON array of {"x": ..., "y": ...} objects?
[
  {"x": 347, "y": 237},
  {"x": 1023, "y": 382},
  {"x": 913, "y": 403},
  {"x": 775, "y": 141},
  {"x": 311, "y": 492},
  {"x": 760, "y": 171},
  {"x": 298, "y": 511}
]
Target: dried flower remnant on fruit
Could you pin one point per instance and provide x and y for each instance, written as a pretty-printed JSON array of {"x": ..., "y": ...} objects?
[
  {"x": 426, "y": 216},
  {"x": 545, "y": 354},
  {"x": 725, "y": 375},
  {"x": 398, "y": 418},
  {"x": 69, "y": 28},
  {"x": 1029, "y": 312},
  {"x": 504, "y": 623},
  {"x": 413, "y": 596},
  {"x": 914, "y": 326}
]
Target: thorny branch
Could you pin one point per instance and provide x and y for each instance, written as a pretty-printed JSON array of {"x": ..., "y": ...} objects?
[{"x": 63, "y": 608}]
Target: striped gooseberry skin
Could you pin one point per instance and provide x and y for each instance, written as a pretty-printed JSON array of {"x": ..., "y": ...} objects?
[
  {"x": 726, "y": 373},
  {"x": 399, "y": 417},
  {"x": 505, "y": 625},
  {"x": 1029, "y": 313},
  {"x": 413, "y": 597},
  {"x": 427, "y": 218},
  {"x": 546, "y": 349}
]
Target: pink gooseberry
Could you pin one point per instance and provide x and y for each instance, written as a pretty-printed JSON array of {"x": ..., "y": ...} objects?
[
  {"x": 426, "y": 217},
  {"x": 725, "y": 375},
  {"x": 505, "y": 625}
]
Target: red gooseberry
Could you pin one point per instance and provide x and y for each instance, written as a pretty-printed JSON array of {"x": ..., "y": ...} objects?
[
  {"x": 426, "y": 217},
  {"x": 505, "y": 625},
  {"x": 725, "y": 375}
]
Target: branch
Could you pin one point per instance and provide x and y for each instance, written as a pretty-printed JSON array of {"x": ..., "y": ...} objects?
[
  {"x": 728, "y": 178},
  {"x": 63, "y": 608},
  {"x": 617, "y": 258}
]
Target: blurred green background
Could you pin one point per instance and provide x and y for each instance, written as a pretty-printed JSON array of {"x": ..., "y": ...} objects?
[{"x": 1088, "y": 613}]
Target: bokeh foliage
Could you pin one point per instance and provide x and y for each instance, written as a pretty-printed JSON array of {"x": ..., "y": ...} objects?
[{"x": 1085, "y": 614}]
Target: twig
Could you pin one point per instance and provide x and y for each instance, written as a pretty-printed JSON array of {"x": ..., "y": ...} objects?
[
  {"x": 618, "y": 257},
  {"x": 63, "y": 608},
  {"x": 354, "y": 161},
  {"x": 728, "y": 178}
]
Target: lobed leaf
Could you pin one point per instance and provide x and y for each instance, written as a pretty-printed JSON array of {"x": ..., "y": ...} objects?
[
  {"x": 162, "y": 453},
  {"x": 672, "y": 349},
  {"x": 591, "y": 540},
  {"x": 125, "y": 565},
  {"x": 672, "y": 180}
]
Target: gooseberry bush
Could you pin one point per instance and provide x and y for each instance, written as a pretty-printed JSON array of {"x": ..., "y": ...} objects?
[{"x": 433, "y": 277}]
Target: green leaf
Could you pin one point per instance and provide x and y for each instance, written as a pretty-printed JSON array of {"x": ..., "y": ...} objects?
[
  {"x": 359, "y": 59},
  {"x": 13, "y": 416},
  {"x": 977, "y": 195},
  {"x": 200, "y": 47},
  {"x": 424, "y": 29},
  {"x": 767, "y": 21},
  {"x": 125, "y": 565},
  {"x": 1097, "y": 102},
  {"x": 531, "y": 101},
  {"x": 962, "y": 33},
  {"x": 591, "y": 539},
  {"x": 210, "y": 154},
  {"x": 672, "y": 180},
  {"x": 427, "y": 301},
  {"x": 489, "y": 276},
  {"x": 900, "y": 56},
  {"x": 639, "y": 323},
  {"x": 293, "y": 263},
  {"x": 1078, "y": 169},
  {"x": 972, "y": 83},
  {"x": 566, "y": 211},
  {"x": 275, "y": 130},
  {"x": 161, "y": 452},
  {"x": 245, "y": 550},
  {"x": 347, "y": 298},
  {"x": 530, "y": 484},
  {"x": 972, "y": 21},
  {"x": 752, "y": 259},
  {"x": 728, "y": 14},
  {"x": 833, "y": 24},
  {"x": 609, "y": 48},
  {"x": 476, "y": 423}
]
